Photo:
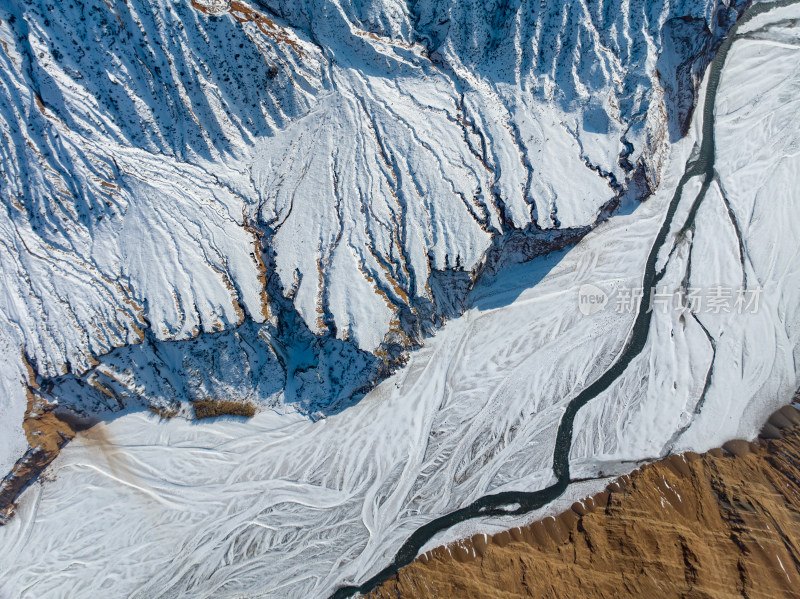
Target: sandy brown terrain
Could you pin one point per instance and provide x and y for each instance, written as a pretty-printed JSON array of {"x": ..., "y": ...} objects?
[
  {"x": 721, "y": 524},
  {"x": 47, "y": 432}
]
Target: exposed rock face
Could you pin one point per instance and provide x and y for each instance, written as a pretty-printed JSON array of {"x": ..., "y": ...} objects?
[{"x": 721, "y": 524}]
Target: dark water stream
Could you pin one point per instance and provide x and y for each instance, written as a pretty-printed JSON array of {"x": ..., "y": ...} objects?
[{"x": 521, "y": 502}]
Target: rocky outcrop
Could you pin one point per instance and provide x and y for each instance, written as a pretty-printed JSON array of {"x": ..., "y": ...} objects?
[{"x": 721, "y": 524}]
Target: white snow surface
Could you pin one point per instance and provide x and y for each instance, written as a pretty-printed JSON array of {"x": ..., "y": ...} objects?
[
  {"x": 146, "y": 146},
  {"x": 282, "y": 507}
]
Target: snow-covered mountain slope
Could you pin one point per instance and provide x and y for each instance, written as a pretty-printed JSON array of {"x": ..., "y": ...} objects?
[
  {"x": 157, "y": 153},
  {"x": 282, "y": 507}
]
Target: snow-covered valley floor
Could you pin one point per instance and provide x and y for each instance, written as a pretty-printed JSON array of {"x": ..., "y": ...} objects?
[{"x": 281, "y": 507}]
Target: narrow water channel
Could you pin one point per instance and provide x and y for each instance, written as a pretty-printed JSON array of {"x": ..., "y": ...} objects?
[{"x": 500, "y": 504}]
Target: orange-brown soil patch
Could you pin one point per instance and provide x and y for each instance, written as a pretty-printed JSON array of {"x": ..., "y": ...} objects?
[
  {"x": 212, "y": 408},
  {"x": 47, "y": 431},
  {"x": 244, "y": 14}
]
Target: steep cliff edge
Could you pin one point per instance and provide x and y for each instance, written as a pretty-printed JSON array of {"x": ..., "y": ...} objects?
[{"x": 721, "y": 524}]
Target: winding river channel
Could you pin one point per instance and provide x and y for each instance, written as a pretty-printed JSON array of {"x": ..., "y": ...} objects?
[{"x": 522, "y": 502}]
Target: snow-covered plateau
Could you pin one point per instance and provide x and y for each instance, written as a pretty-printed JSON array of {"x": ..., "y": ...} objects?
[{"x": 342, "y": 189}]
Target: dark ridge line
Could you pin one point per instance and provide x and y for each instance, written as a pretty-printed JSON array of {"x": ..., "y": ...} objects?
[{"x": 499, "y": 504}]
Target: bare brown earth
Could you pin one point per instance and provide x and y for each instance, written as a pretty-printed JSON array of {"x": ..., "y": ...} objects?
[
  {"x": 212, "y": 408},
  {"x": 47, "y": 431},
  {"x": 722, "y": 524},
  {"x": 244, "y": 14}
]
